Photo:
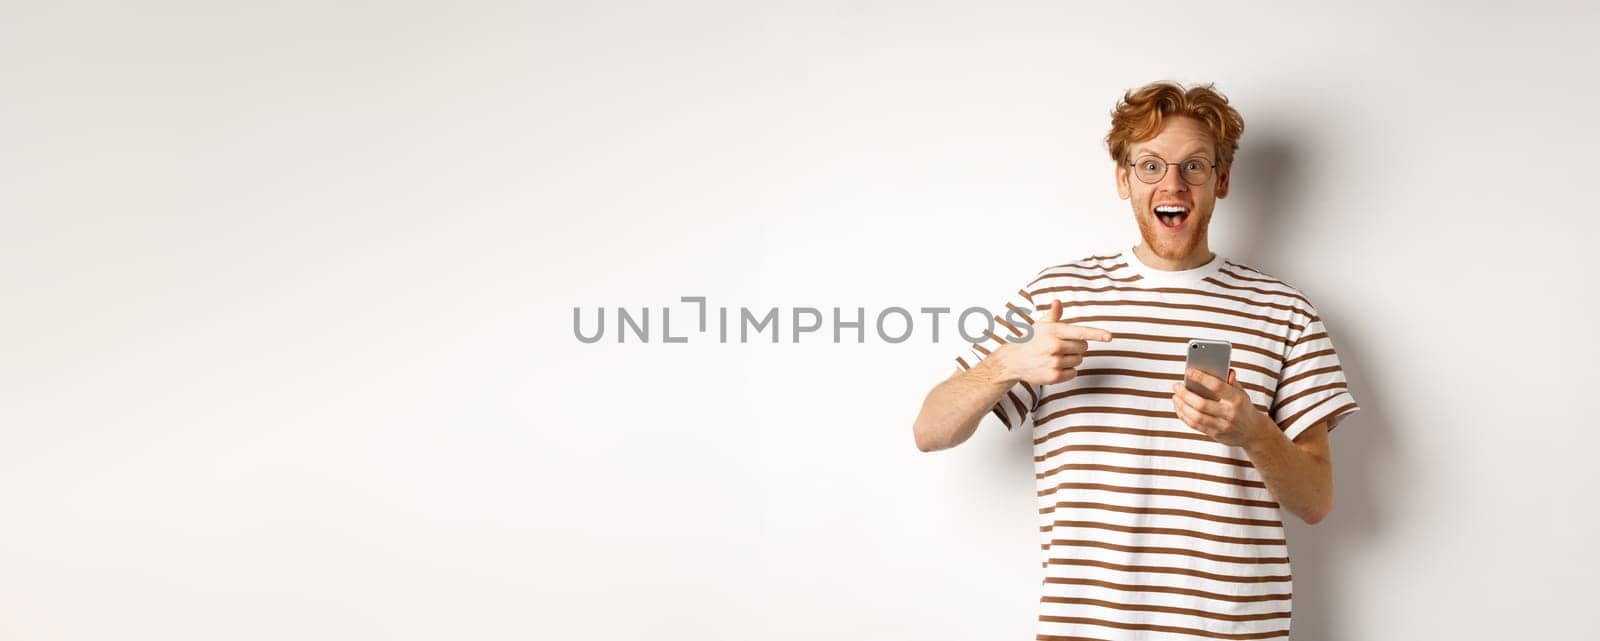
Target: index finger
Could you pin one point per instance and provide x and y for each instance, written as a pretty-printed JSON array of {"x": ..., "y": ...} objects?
[
  {"x": 1206, "y": 380},
  {"x": 1082, "y": 333}
]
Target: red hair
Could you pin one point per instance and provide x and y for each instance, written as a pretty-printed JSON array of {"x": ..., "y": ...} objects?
[{"x": 1142, "y": 114}]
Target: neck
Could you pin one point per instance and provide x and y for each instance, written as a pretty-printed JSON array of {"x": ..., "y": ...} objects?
[{"x": 1200, "y": 256}]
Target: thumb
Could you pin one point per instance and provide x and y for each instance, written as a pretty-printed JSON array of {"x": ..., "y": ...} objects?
[
  {"x": 1232, "y": 376},
  {"x": 1054, "y": 313}
]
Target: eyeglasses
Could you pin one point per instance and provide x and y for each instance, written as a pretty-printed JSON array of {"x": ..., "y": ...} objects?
[{"x": 1151, "y": 169}]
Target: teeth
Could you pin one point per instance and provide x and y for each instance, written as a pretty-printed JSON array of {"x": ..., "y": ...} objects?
[{"x": 1171, "y": 209}]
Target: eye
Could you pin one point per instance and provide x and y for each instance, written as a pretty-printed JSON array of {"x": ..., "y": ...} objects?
[
  {"x": 1193, "y": 165},
  {"x": 1149, "y": 165}
]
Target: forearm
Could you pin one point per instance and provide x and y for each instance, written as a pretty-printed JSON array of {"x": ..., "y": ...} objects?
[
  {"x": 954, "y": 408},
  {"x": 1301, "y": 481}
]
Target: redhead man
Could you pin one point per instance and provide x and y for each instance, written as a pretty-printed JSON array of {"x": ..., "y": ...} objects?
[{"x": 1160, "y": 509}]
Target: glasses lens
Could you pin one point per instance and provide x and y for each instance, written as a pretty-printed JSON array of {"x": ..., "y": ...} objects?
[
  {"x": 1149, "y": 169},
  {"x": 1196, "y": 171}
]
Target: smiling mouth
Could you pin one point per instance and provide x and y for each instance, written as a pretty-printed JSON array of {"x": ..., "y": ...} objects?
[{"x": 1172, "y": 216}]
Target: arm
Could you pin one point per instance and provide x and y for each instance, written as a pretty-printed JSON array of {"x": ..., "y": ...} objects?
[
  {"x": 1299, "y": 473},
  {"x": 1051, "y": 354},
  {"x": 952, "y": 411}
]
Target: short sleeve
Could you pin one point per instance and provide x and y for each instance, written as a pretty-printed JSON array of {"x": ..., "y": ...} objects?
[
  {"x": 1009, "y": 321},
  {"x": 1311, "y": 383}
]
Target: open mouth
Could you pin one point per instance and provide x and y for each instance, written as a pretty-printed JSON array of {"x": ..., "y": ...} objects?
[{"x": 1172, "y": 216}]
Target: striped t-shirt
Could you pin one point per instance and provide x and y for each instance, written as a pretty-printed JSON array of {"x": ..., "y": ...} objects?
[{"x": 1150, "y": 529}]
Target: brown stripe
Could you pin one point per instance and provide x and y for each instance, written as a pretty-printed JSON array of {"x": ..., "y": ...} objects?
[
  {"x": 1033, "y": 395},
  {"x": 1257, "y": 290},
  {"x": 1116, "y": 391},
  {"x": 1157, "y": 338},
  {"x": 1167, "y": 511},
  {"x": 1162, "y": 569},
  {"x": 1109, "y": 277},
  {"x": 1156, "y": 492},
  {"x": 1290, "y": 381},
  {"x": 1173, "y": 321},
  {"x": 1022, "y": 411},
  {"x": 1057, "y": 637},
  {"x": 1022, "y": 311},
  {"x": 1251, "y": 270},
  {"x": 1113, "y": 371},
  {"x": 1340, "y": 411},
  {"x": 1336, "y": 412},
  {"x": 1306, "y": 357},
  {"x": 1288, "y": 422},
  {"x": 1305, "y": 392},
  {"x": 1269, "y": 281},
  {"x": 1097, "y": 467},
  {"x": 1015, "y": 331},
  {"x": 1265, "y": 616},
  {"x": 1153, "y": 549},
  {"x": 1098, "y": 266},
  {"x": 1129, "y": 353},
  {"x": 1044, "y": 421},
  {"x": 1081, "y": 262},
  {"x": 1199, "y": 308},
  {"x": 1236, "y": 598},
  {"x": 1137, "y": 451},
  {"x": 1002, "y": 414},
  {"x": 1190, "y": 435},
  {"x": 1104, "y": 409},
  {"x": 1139, "y": 393},
  {"x": 1307, "y": 337},
  {"x": 1167, "y": 628},
  {"x": 1171, "y": 290},
  {"x": 1171, "y": 358},
  {"x": 1169, "y": 530}
]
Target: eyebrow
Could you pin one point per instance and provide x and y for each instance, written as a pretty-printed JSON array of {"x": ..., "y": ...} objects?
[{"x": 1203, "y": 152}]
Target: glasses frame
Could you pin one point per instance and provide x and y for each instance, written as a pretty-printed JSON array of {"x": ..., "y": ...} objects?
[{"x": 1166, "y": 166}]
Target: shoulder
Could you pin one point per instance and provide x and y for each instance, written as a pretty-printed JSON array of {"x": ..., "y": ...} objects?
[
  {"x": 1241, "y": 276},
  {"x": 1104, "y": 261},
  {"x": 1107, "y": 264}
]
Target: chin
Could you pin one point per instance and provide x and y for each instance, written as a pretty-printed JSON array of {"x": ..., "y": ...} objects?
[
  {"x": 1176, "y": 249},
  {"x": 1179, "y": 252}
]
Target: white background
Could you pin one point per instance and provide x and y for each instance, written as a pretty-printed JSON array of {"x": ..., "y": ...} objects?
[{"x": 287, "y": 307}]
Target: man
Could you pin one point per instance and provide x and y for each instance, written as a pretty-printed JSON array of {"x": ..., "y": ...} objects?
[{"x": 1160, "y": 510}]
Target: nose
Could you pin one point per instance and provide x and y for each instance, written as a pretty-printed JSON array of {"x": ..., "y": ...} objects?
[{"x": 1173, "y": 181}]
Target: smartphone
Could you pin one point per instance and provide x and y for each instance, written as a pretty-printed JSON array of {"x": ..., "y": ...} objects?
[{"x": 1211, "y": 357}]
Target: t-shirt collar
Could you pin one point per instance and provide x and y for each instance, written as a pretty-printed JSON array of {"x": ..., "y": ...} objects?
[{"x": 1191, "y": 276}]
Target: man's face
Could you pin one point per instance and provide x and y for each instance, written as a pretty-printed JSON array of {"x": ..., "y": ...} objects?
[{"x": 1174, "y": 237}]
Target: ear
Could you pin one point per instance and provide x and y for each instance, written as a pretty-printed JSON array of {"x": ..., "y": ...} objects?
[
  {"x": 1222, "y": 182},
  {"x": 1123, "y": 190}
]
